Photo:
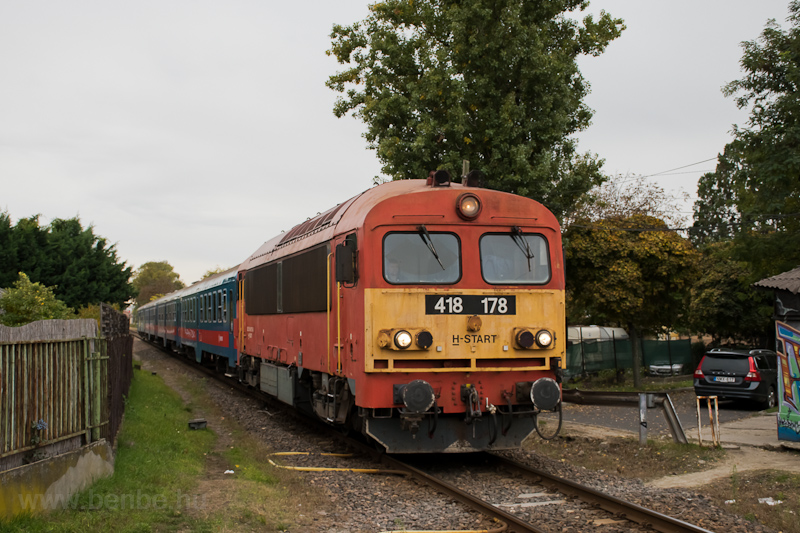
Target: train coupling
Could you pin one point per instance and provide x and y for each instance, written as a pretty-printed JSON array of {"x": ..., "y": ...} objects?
[{"x": 469, "y": 395}]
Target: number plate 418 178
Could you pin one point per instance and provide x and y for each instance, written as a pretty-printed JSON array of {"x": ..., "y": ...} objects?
[{"x": 470, "y": 304}]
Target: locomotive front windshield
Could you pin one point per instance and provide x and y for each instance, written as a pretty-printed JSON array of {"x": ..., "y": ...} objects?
[
  {"x": 515, "y": 258},
  {"x": 421, "y": 257}
]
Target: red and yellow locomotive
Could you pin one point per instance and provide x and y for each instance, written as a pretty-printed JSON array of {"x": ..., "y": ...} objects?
[{"x": 428, "y": 315}]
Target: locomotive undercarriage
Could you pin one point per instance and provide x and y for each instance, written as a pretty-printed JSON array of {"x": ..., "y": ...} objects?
[{"x": 420, "y": 426}]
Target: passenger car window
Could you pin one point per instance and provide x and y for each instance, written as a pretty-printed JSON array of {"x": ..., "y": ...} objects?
[
  {"x": 421, "y": 257},
  {"x": 515, "y": 258}
]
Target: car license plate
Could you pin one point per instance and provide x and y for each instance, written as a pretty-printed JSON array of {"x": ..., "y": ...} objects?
[{"x": 723, "y": 379}]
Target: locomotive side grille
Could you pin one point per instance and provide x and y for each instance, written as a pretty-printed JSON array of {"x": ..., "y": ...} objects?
[{"x": 312, "y": 225}]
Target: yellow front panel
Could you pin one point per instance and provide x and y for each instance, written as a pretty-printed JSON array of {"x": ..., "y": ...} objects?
[{"x": 456, "y": 347}]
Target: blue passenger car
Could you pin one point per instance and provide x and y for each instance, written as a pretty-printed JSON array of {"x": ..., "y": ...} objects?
[{"x": 197, "y": 321}]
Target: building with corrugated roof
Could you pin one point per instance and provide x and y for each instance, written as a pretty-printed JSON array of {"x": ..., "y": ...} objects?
[{"x": 786, "y": 287}]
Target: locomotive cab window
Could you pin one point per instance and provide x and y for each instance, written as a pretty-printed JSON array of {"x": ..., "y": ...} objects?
[
  {"x": 421, "y": 257},
  {"x": 515, "y": 258}
]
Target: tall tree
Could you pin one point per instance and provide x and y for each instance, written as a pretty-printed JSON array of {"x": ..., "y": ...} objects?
[
  {"x": 494, "y": 82},
  {"x": 754, "y": 194},
  {"x": 154, "y": 279},
  {"x": 213, "y": 272},
  {"x": 27, "y": 241},
  {"x": 723, "y": 302},
  {"x": 8, "y": 252},
  {"x": 623, "y": 196},
  {"x": 631, "y": 271},
  {"x": 85, "y": 267},
  {"x": 81, "y": 267}
]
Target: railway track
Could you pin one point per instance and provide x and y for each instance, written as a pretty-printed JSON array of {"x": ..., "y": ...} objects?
[{"x": 619, "y": 510}]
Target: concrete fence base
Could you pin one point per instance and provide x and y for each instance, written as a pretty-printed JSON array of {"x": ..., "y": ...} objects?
[{"x": 54, "y": 483}]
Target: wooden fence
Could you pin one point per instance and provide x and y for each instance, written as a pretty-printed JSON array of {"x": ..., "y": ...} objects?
[{"x": 58, "y": 395}]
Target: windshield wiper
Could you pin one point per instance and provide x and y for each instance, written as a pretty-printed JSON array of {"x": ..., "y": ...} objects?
[
  {"x": 519, "y": 239},
  {"x": 426, "y": 238}
]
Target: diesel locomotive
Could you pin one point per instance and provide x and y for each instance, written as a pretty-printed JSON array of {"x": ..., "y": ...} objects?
[{"x": 427, "y": 315}]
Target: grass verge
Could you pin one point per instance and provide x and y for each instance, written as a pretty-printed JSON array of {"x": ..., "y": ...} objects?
[
  {"x": 624, "y": 456},
  {"x": 741, "y": 492},
  {"x": 262, "y": 497},
  {"x": 157, "y": 462}
]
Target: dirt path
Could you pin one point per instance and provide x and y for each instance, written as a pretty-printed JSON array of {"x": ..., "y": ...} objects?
[
  {"x": 738, "y": 459},
  {"x": 215, "y": 490}
]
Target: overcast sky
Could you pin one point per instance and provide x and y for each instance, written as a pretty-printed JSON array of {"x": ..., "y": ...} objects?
[{"x": 116, "y": 112}]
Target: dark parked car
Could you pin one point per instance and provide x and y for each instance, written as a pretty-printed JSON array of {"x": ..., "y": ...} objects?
[{"x": 739, "y": 374}]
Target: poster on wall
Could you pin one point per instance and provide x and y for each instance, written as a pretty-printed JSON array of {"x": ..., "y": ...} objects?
[{"x": 789, "y": 382}]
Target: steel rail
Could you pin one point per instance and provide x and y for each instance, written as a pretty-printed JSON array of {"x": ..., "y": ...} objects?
[
  {"x": 618, "y": 507},
  {"x": 515, "y": 525}
]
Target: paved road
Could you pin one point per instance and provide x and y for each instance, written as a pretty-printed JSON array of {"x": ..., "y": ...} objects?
[{"x": 627, "y": 418}]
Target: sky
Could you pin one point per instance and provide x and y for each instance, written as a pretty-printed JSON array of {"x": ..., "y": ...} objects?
[{"x": 192, "y": 131}]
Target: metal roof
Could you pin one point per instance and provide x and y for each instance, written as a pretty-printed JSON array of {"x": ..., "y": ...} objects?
[{"x": 788, "y": 281}]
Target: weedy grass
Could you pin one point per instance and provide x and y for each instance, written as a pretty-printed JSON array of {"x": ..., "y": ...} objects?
[
  {"x": 624, "y": 456},
  {"x": 263, "y": 496},
  {"x": 743, "y": 490}
]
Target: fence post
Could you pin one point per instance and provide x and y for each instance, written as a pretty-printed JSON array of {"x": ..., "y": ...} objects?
[
  {"x": 583, "y": 356},
  {"x": 669, "y": 354},
  {"x": 96, "y": 396},
  {"x": 86, "y": 390},
  {"x": 642, "y": 419}
]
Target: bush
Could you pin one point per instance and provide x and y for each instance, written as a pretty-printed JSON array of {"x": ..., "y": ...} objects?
[{"x": 28, "y": 302}]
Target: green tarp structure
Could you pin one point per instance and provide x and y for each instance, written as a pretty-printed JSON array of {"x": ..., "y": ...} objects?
[{"x": 591, "y": 356}]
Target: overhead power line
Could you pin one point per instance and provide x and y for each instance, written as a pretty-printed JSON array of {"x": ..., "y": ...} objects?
[{"x": 679, "y": 168}]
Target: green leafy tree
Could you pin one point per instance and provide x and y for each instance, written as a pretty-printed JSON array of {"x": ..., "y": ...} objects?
[
  {"x": 494, "y": 82},
  {"x": 81, "y": 266},
  {"x": 154, "y": 279},
  {"x": 753, "y": 197},
  {"x": 631, "y": 271},
  {"x": 213, "y": 271},
  {"x": 28, "y": 302},
  {"x": 84, "y": 266},
  {"x": 623, "y": 196},
  {"x": 723, "y": 302},
  {"x": 7, "y": 251},
  {"x": 25, "y": 250}
]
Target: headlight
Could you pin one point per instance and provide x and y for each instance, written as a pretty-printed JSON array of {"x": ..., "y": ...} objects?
[
  {"x": 468, "y": 206},
  {"x": 402, "y": 339},
  {"x": 544, "y": 338}
]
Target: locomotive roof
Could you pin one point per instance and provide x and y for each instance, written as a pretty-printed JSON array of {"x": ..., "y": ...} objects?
[{"x": 342, "y": 218}]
